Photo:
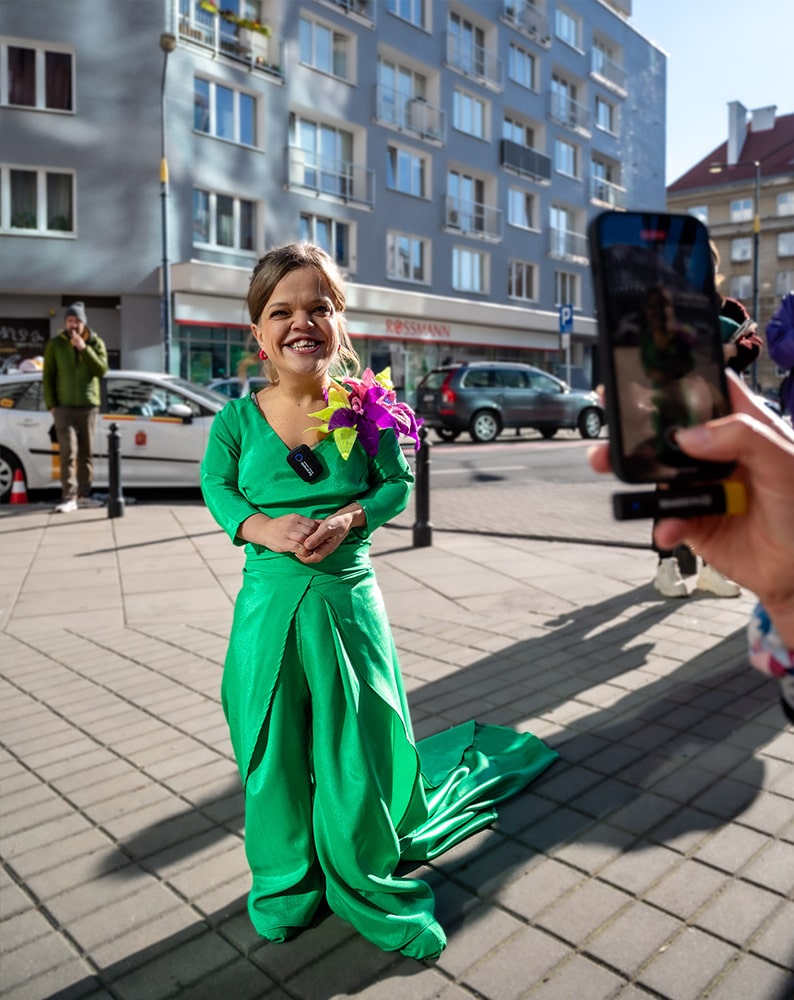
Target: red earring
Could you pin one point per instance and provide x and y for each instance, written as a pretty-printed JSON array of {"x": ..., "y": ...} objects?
[{"x": 262, "y": 355}]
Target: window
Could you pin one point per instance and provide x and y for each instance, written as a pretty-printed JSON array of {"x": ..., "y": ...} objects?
[
  {"x": 467, "y": 45},
  {"x": 521, "y": 209},
  {"x": 564, "y": 105},
  {"x": 224, "y": 112},
  {"x": 700, "y": 212},
  {"x": 327, "y": 156},
  {"x": 36, "y": 201},
  {"x": 406, "y": 171},
  {"x": 468, "y": 270},
  {"x": 742, "y": 210},
  {"x": 413, "y": 11},
  {"x": 785, "y": 244},
  {"x": 561, "y": 223},
  {"x": 468, "y": 114},
  {"x": 741, "y": 249},
  {"x": 330, "y": 234},
  {"x": 567, "y": 28},
  {"x": 605, "y": 115},
  {"x": 324, "y": 49},
  {"x": 521, "y": 66},
  {"x": 741, "y": 286},
  {"x": 517, "y": 131},
  {"x": 785, "y": 203},
  {"x": 407, "y": 258},
  {"x": 466, "y": 197},
  {"x": 784, "y": 283},
  {"x": 521, "y": 280},
  {"x": 402, "y": 99},
  {"x": 37, "y": 77},
  {"x": 566, "y": 289},
  {"x": 566, "y": 158},
  {"x": 220, "y": 220}
]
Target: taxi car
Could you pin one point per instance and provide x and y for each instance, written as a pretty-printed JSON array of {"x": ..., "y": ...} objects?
[{"x": 163, "y": 422}]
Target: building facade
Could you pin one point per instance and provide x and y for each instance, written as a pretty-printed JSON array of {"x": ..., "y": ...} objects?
[
  {"x": 744, "y": 192},
  {"x": 449, "y": 155}
]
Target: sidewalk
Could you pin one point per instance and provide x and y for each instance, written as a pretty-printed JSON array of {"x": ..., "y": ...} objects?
[{"x": 654, "y": 859}]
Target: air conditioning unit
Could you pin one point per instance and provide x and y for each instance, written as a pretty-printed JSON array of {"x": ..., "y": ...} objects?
[{"x": 454, "y": 217}]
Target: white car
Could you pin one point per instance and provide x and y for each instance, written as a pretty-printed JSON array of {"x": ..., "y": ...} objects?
[
  {"x": 233, "y": 388},
  {"x": 163, "y": 422}
]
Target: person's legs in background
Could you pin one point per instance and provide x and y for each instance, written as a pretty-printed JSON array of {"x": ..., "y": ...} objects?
[
  {"x": 86, "y": 429},
  {"x": 67, "y": 447}
]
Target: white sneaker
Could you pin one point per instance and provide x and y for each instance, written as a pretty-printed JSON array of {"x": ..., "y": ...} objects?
[
  {"x": 668, "y": 579},
  {"x": 713, "y": 582},
  {"x": 65, "y": 506},
  {"x": 88, "y": 502}
]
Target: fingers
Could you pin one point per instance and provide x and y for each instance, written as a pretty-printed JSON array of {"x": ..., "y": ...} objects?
[
  {"x": 742, "y": 437},
  {"x": 598, "y": 457}
]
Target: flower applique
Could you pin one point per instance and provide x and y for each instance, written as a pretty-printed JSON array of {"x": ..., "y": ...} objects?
[{"x": 362, "y": 409}]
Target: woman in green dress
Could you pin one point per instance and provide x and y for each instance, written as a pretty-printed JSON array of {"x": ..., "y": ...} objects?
[{"x": 336, "y": 790}]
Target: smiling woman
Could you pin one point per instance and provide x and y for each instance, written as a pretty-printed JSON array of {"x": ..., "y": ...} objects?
[{"x": 336, "y": 791}]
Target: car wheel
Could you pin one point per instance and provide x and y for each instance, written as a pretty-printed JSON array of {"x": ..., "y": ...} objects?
[
  {"x": 447, "y": 434},
  {"x": 8, "y": 466},
  {"x": 548, "y": 432},
  {"x": 590, "y": 423},
  {"x": 484, "y": 426}
]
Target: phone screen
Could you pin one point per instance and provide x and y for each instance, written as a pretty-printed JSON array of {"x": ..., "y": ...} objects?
[{"x": 660, "y": 341}]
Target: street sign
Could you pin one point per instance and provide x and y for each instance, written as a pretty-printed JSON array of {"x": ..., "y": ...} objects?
[{"x": 566, "y": 319}]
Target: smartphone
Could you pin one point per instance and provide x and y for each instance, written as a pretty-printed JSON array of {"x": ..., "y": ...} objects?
[
  {"x": 740, "y": 331},
  {"x": 660, "y": 348}
]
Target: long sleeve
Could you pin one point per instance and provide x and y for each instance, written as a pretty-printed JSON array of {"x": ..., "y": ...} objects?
[
  {"x": 49, "y": 375},
  {"x": 219, "y": 475},
  {"x": 780, "y": 333},
  {"x": 95, "y": 356},
  {"x": 391, "y": 479}
]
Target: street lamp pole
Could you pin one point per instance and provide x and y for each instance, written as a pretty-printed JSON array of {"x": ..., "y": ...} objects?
[
  {"x": 167, "y": 44},
  {"x": 717, "y": 168}
]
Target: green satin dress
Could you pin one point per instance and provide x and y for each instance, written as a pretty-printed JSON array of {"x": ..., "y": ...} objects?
[{"x": 336, "y": 791}]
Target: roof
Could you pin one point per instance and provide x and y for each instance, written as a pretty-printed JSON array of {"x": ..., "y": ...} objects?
[{"x": 773, "y": 148}]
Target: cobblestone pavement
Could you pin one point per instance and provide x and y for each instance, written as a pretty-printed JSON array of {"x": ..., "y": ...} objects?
[{"x": 655, "y": 858}]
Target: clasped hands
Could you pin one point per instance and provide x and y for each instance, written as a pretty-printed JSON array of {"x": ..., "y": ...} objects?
[{"x": 308, "y": 539}]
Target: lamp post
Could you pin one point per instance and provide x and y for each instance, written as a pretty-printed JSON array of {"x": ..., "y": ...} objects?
[
  {"x": 167, "y": 44},
  {"x": 717, "y": 168}
]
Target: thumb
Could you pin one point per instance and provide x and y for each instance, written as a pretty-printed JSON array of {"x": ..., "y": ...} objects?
[{"x": 737, "y": 438}]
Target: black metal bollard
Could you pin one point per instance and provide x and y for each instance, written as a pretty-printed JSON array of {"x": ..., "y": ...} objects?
[
  {"x": 423, "y": 529},
  {"x": 115, "y": 496}
]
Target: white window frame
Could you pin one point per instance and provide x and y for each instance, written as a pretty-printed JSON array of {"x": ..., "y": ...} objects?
[
  {"x": 41, "y": 49},
  {"x": 465, "y": 108},
  {"x": 568, "y": 28},
  {"x": 416, "y": 161},
  {"x": 311, "y": 220},
  {"x": 571, "y": 151},
  {"x": 741, "y": 249},
  {"x": 413, "y": 12},
  {"x": 741, "y": 286},
  {"x": 524, "y": 64},
  {"x": 785, "y": 203},
  {"x": 784, "y": 283},
  {"x": 212, "y": 112},
  {"x": 741, "y": 210},
  {"x": 785, "y": 244},
  {"x": 517, "y": 273},
  {"x": 340, "y": 42},
  {"x": 567, "y": 289},
  {"x": 522, "y": 208},
  {"x": 396, "y": 245},
  {"x": 212, "y": 242},
  {"x": 40, "y": 229},
  {"x": 612, "y": 127},
  {"x": 468, "y": 262}
]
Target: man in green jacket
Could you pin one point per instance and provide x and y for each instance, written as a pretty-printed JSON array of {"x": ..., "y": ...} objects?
[{"x": 74, "y": 361}]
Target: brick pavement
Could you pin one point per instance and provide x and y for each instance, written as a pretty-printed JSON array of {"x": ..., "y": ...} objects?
[{"x": 654, "y": 859}]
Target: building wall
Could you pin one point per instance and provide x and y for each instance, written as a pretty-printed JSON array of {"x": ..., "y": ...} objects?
[{"x": 112, "y": 142}]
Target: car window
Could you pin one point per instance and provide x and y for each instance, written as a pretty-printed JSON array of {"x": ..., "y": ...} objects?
[
  {"x": 163, "y": 398},
  {"x": 513, "y": 378},
  {"x": 543, "y": 383},
  {"x": 25, "y": 395},
  {"x": 129, "y": 397},
  {"x": 479, "y": 378},
  {"x": 434, "y": 380}
]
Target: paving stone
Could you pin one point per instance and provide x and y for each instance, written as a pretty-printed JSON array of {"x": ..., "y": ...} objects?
[
  {"x": 752, "y": 977},
  {"x": 737, "y": 911},
  {"x": 579, "y": 978},
  {"x": 731, "y": 848},
  {"x": 632, "y": 937},
  {"x": 775, "y": 940},
  {"x": 582, "y": 911},
  {"x": 685, "y": 968},
  {"x": 529, "y": 893},
  {"x": 481, "y": 931},
  {"x": 686, "y": 889},
  {"x": 506, "y": 972}
]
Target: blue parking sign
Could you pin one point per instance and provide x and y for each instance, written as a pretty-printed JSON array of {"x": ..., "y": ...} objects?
[{"x": 566, "y": 319}]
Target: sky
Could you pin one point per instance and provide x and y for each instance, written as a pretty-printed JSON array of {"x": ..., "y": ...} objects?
[{"x": 717, "y": 51}]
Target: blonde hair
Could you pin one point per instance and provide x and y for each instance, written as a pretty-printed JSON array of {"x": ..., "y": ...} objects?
[{"x": 278, "y": 263}]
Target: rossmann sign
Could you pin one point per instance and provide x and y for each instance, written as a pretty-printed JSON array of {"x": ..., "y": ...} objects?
[{"x": 418, "y": 329}]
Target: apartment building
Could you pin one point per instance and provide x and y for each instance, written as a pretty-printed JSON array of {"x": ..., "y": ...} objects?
[
  {"x": 449, "y": 155},
  {"x": 744, "y": 191}
]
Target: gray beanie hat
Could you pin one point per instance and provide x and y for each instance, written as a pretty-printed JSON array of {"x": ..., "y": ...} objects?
[{"x": 77, "y": 309}]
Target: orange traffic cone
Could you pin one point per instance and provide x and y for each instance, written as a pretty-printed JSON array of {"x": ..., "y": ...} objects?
[{"x": 19, "y": 493}]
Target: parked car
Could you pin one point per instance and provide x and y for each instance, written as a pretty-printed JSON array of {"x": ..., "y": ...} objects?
[
  {"x": 484, "y": 398},
  {"x": 233, "y": 388},
  {"x": 163, "y": 423}
]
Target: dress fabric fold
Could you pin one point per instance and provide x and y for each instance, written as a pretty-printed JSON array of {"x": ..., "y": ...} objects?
[{"x": 337, "y": 792}]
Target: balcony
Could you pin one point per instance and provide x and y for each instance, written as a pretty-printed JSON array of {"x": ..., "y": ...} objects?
[
  {"x": 608, "y": 71},
  {"x": 211, "y": 32},
  {"x": 474, "y": 61},
  {"x": 326, "y": 177},
  {"x": 359, "y": 7},
  {"x": 530, "y": 22},
  {"x": 410, "y": 114},
  {"x": 473, "y": 218},
  {"x": 568, "y": 112},
  {"x": 607, "y": 193},
  {"x": 567, "y": 245},
  {"x": 525, "y": 161}
]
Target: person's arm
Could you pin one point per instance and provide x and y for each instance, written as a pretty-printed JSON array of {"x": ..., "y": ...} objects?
[
  {"x": 49, "y": 376},
  {"x": 95, "y": 355},
  {"x": 780, "y": 333}
]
